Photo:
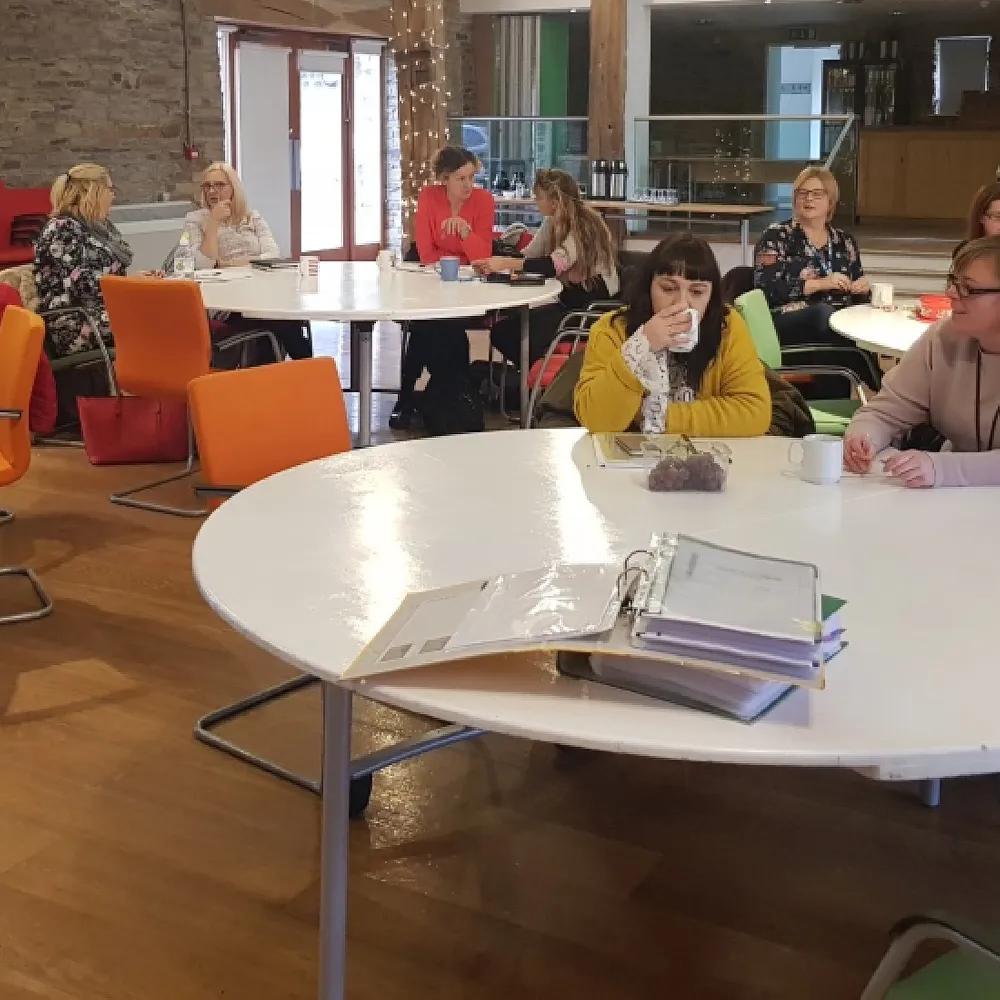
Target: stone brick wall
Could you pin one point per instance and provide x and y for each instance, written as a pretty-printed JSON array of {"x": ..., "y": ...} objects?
[
  {"x": 104, "y": 81},
  {"x": 460, "y": 64}
]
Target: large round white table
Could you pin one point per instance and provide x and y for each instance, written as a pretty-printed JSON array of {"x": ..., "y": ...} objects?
[
  {"x": 361, "y": 294},
  {"x": 915, "y": 695},
  {"x": 888, "y": 333}
]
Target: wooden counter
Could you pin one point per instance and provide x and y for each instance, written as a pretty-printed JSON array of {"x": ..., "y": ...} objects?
[{"x": 924, "y": 173}]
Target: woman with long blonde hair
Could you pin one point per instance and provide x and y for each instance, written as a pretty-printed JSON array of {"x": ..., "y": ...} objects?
[
  {"x": 226, "y": 232},
  {"x": 572, "y": 244},
  {"x": 76, "y": 248}
]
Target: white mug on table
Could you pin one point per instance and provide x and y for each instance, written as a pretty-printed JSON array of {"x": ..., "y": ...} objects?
[
  {"x": 822, "y": 458},
  {"x": 692, "y": 337}
]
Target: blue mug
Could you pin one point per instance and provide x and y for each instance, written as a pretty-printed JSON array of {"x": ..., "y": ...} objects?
[{"x": 449, "y": 268}]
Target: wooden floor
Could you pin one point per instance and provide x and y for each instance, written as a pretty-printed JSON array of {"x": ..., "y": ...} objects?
[{"x": 135, "y": 863}]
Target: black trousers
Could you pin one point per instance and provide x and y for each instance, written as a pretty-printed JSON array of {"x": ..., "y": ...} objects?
[
  {"x": 811, "y": 325},
  {"x": 292, "y": 336},
  {"x": 442, "y": 347},
  {"x": 543, "y": 322}
]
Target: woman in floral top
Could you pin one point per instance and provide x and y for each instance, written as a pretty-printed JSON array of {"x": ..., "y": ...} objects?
[
  {"x": 77, "y": 247},
  {"x": 808, "y": 269}
]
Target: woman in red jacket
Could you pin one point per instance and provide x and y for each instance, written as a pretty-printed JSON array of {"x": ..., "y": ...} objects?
[{"x": 454, "y": 219}]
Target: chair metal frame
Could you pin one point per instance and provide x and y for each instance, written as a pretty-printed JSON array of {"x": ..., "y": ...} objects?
[
  {"x": 597, "y": 308},
  {"x": 25, "y": 572},
  {"x": 362, "y": 767},
  {"x": 914, "y": 931},
  {"x": 126, "y": 498},
  {"x": 574, "y": 328}
]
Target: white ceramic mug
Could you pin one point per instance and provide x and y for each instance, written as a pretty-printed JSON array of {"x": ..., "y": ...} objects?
[
  {"x": 882, "y": 295},
  {"x": 386, "y": 260},
  {"x": 692, "y": 339},
  {"x": 822, "y": 459}
]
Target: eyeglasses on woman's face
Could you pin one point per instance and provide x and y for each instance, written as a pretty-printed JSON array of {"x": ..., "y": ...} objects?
[
  {"x": 964, "y": 289},
  {"x": 215, "y": 185},
  {"x": 810, "y": 194}
]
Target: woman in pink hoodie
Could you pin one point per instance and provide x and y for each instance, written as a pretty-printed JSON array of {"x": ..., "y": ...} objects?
[{"x": 949, "y": 379}]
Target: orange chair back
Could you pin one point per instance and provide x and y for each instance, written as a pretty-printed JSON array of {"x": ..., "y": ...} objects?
[
  {"x": 21, "y": 336},
  {"x": 161, "y": 334},
  {"x": 254, "y": 422}
]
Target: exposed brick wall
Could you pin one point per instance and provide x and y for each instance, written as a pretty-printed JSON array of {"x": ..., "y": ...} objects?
[
  {"x": 105, "y": 82},
  {"x": 460, "y": 65}
]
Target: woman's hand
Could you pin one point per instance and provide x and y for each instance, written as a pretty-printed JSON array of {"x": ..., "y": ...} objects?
[
  {"x": 914, "y": 469},
  {"x": 836, "y": 282},
  {"x": 456, "y": 225},
  {"x": 221, "y": 213},
  {"x": 495, "y": 265},
  {"x": 861, "y": 287},
  {"x": 859, "y": 453},
  {"x": 669, "y": 328},
  {"x": 151, "y": 274}
]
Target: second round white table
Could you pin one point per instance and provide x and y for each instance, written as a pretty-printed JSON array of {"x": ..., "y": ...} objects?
[
  {"x": 887, "y": 333},
  {"x": 362, "y": 294},
  {"x": 914, "y": 695}
]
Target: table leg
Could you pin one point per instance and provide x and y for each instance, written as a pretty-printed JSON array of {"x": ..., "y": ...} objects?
[
  {"x": 363, "y": 367},
  {"x": 745, "y": 241},
  {"x": 525, "y": 362},
  {"x": 335, "y": 838}
]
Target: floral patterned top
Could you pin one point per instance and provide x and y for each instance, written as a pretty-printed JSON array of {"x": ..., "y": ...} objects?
[
  {"x": 785, "y": 260},
  {"x": 71, "y": 257}
]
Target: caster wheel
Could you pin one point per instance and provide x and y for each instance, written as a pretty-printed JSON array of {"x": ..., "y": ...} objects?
[{"x": 360, "y": 796}]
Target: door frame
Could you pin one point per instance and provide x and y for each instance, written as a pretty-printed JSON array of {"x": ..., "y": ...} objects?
[{"x": 298, "y": 40}]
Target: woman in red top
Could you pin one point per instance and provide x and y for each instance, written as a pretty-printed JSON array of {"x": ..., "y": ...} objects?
[{"x": 454, "y": 219}]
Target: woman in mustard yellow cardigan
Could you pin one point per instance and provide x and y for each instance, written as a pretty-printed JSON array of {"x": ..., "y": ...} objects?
[{"x": 639, "y": 370}]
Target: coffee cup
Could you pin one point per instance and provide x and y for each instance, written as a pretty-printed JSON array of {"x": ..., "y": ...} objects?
[
  {"x": 386, "y": 260},
  {"x": 882, "y": 295},
  {"x": 449, "y": 268},
  {"x": 692, "y": 337},
  {"x": 821, "y": 460}
]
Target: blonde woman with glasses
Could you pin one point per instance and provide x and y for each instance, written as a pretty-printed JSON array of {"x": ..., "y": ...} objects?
[
  {"x": 808, "y": 269},
  {"x": 226, "y": 232},
  {"x": 77, "y": 247}
]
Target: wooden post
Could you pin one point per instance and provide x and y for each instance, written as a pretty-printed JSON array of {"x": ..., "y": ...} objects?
[
  {"x": 418, "y": 44},
  {"x": 607, "y": 79}
]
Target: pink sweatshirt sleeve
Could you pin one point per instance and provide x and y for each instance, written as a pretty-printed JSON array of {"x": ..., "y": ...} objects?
[
  {"x": 904, "y": 400},
  {"x": 966, "y": 468}
]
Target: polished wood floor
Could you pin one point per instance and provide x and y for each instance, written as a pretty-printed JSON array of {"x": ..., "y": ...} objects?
[{"x": 136, "y": 864}]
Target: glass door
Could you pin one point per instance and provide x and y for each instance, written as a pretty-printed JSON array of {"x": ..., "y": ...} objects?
[
  {"x": 319, "y": 155},
  {"x": 306, "y": 129}
]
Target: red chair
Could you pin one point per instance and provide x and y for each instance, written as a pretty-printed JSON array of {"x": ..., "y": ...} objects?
[
  {"x": 572, "y": 336},
  {"x": 15, "y": 204}
]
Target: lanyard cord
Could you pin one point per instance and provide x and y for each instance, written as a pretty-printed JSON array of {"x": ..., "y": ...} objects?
[{"x": 996, "y": 416}]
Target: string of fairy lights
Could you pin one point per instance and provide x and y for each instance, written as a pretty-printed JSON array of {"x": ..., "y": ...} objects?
[{"x": 420, "y": 48}]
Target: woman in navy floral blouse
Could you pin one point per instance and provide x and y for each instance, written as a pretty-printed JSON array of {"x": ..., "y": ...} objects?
[
  {"x": 808, "y": 269},
  {"x": 77, "y": 247}
]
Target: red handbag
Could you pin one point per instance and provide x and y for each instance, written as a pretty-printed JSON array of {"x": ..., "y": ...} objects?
[{"x": 127, "y": 430}]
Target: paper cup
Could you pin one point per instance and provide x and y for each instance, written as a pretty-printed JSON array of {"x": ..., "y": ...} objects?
[{"x": 882, "y": 294}]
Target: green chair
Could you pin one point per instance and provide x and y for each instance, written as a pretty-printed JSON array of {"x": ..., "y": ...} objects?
[
  {"x": 970, "y": 972},
  {"x": 830, "y": 415}
]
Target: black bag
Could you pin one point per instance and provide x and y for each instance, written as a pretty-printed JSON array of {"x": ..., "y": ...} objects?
[{"x": 452, "y": 407}]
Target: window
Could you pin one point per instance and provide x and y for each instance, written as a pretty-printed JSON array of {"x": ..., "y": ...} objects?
[{"x": 961, "y": 63}]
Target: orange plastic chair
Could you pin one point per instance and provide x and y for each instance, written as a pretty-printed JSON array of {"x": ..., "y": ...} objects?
[
  {"x": 21, "y": 336},
  {"x": 254, "y": 422},
  {"x": 251, "y": 424},
  {"x": 162, "y": 342}
]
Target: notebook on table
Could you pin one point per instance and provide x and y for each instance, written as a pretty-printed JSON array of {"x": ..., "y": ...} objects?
[
  {"x": 275, "y": 264},
  {"x": 673, "y": 604}
]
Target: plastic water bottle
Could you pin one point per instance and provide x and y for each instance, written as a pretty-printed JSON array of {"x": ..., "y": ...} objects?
[{"x": 184, "y": 257}]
